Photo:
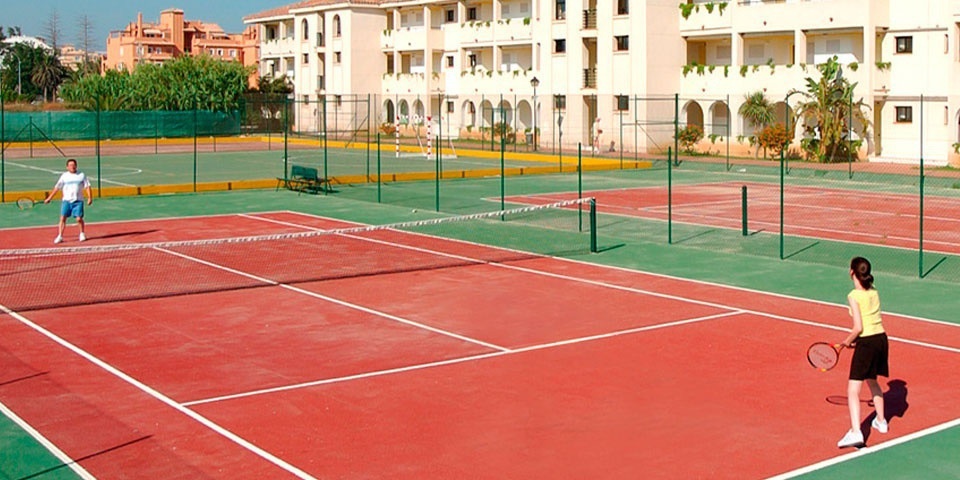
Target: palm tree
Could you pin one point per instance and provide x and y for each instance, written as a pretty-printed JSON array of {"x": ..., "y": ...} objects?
[
  {"x": 758, "y": 111},
  {"x": 828, "y": 105},
  {"x": 48, "y": 74}
]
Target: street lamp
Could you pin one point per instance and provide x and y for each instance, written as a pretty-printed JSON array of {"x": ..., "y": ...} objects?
[{"x": 534, "y": 82}]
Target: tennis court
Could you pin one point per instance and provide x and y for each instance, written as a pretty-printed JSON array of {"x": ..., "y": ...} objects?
[
  {"x": 857, "y": 216},
  {"x": 288, "y": 342}
]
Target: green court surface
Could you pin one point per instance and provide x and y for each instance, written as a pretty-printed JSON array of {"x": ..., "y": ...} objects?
[
  {"x": 816, "y": 270},
  {"x": 23, "y": 457}
]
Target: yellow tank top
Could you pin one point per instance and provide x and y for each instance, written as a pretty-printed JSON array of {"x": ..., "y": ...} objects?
[{"x": 869, "y": 303}]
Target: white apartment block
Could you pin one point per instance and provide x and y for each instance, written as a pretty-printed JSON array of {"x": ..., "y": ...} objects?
[{"x": 468, "y": 64}]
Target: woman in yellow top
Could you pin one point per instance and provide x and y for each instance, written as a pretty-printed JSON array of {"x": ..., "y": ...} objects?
[{"x": 870, "y": 353}]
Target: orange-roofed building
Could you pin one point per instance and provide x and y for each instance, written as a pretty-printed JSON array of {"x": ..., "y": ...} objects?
[{"x": 171, "y": 37}]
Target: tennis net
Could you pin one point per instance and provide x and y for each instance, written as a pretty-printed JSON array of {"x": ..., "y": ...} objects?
[{"x": 37, "y": 279}]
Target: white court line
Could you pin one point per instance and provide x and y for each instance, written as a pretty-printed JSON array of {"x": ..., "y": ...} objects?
[
  {"x": 53, "y": 449},
  {"x": 471, "y": 358},
  {"x": 159, "y": 396},
  {"x": 867, "y": 450},
  {"x": 57, "y": 172}
]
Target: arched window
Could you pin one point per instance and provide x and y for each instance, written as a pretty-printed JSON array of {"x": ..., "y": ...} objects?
[
  {"x": 306, "y": 29},
  {"x": 336, "y": 26}
]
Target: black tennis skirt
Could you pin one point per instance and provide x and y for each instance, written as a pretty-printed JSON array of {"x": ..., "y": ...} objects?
[{"x": 870, "y": 358}]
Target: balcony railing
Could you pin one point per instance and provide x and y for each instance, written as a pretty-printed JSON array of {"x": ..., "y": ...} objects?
[
  {"x": 590, "y": 19},
  {"x": 590, "y": 77}
]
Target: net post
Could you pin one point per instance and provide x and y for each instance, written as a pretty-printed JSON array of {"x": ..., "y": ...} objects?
[
  {"x": 593, "y": 225},
  {"x": 195, "y": 130},
  {"x": 97, "y": 140},
  {"x": 743, "y": 209},
  {"x": 326, "y": 135},
  {"x": 286, "y": 167},
  {"x": 437, "y": 167}
]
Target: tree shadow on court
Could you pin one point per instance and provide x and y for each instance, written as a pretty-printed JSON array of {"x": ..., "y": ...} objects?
[{"x": 45, "y": 472}]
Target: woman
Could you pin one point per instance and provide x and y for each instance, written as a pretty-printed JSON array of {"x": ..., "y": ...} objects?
[{"x": 870, "y": 353}]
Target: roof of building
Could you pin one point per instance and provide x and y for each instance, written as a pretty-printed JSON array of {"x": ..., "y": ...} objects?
[{"x": 286, "y": 9}]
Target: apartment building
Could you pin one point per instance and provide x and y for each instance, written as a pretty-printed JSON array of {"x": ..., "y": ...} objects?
[
  {"x": 172, "y": 36},
  {"x": 617, "y": 66}
]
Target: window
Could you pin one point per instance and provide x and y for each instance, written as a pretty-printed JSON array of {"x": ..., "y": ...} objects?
[
  {"x": 233, "y": 53},
  {"x": 337, "y": 99},
  {"x": 336, "y": 57},
  {"x": 559, "y": 45},
  {"x": 623, "y": 103},
  {"x": 623, "y": 42},
  {"x": 560, "y": 9},
  {"x": 306, "y": 29},
  {"x": 306, "y": 58},
  {"x": 336, "y": 26},
  {"x": 450, "y": 60},
  {"x": 472, "y": 13},
  {"x": 623, "y": 7},
  {"x": 449, "y": 106},
  {"x": 904, "y": 44},
  {"x": 904, "y": 114},
  {"x": 473, "y": 59},
  {"x": 559, "y": 102},
  {"x": 451, "y": 16}
]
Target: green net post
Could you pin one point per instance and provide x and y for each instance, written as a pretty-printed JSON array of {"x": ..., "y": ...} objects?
[
  {"x": 669, "y": 195},
  {"x": 743, "y": 210},
  {"x": 436, "y": 189},
  {"x": 593, "y": 225},
  {"x": 503, "y": 186}
]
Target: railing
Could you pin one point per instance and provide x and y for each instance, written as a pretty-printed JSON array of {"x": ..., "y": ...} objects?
[
  {"x": 590, "y": 19},
  {"x": 590, "y": 77}
]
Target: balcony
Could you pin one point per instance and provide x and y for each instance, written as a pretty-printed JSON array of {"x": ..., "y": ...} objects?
[
  {"x": 516, "y": 82},
  {"x": 708, "y": 17},
  {"x": 775, "y": 80},
  {"x": 590, "y": 19},
  {"x": 404, "y": 83},
  {"x": 277, "y": 47},
  {"x": 590, "y": 77}
]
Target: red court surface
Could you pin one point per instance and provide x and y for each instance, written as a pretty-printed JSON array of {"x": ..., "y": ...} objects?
[
  {"x": 874, "y": 218},
  {"x": 531, "y": 368}
]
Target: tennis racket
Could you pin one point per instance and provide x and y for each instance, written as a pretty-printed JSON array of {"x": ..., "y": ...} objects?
[
  {"x": 824, "y": 356},
  {"x": 26, "y": 203}
]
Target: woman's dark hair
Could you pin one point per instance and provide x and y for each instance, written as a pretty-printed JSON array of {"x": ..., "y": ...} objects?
[{"x": 861, "y": 269}]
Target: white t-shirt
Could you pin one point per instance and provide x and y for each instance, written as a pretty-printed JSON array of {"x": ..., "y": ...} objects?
[{"x": 72, "y": 185}]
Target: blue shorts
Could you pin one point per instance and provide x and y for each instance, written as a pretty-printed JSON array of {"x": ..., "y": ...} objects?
[{"x": 74, "y": 209}]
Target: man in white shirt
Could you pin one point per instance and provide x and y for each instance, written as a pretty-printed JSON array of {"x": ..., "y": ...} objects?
[{"x": 74, "y": 185}]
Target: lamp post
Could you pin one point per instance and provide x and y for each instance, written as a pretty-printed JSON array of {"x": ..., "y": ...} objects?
[
  {"x": 19, "y": 92},
  {"x": 534, "y": 82}
]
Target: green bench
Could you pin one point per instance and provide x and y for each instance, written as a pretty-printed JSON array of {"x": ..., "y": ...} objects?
[{"x": 304, "y": 179}]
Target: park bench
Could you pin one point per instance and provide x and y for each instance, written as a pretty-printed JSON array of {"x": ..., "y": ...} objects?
[{"x": 304, "y": 179}]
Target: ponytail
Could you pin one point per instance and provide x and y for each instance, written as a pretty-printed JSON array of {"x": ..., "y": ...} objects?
[{"x": 861, "y": 269}]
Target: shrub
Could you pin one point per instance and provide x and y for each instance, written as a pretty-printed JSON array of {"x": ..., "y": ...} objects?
[
  {"x": 773, "y": 139},
  {"x": 689, "y": 137}
]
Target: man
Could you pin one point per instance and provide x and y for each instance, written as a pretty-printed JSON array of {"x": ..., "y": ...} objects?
[{"x": 74, "y": 186}]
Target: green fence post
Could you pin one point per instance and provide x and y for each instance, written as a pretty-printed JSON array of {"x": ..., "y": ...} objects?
[
  {"x": 3, "y": 146},
  {"x": 922, "y": 175},
  {"x": 97, "y": 144},
  {"x": 669, "y": 195},
  {"x": 743, "y": 209},
  {"x": 580, "y": 184},
  {"x": 284, "y": 116},
  {"x": 436, "y": 189},
  {"x": 782, "y": 165},
  {"x": 326, "y": 135},
  {"x": 378, "y": 166},
  {"x": 676, "y": 127},
  {"x": 195, "y": 120}
]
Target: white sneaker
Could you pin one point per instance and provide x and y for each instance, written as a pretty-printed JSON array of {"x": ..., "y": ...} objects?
[
  {"x": 82, "y": 237},
  {"x": 852, "y": 438},
  {"x": 880, "y": 425},
  {"x": 58, "y": 239}
]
